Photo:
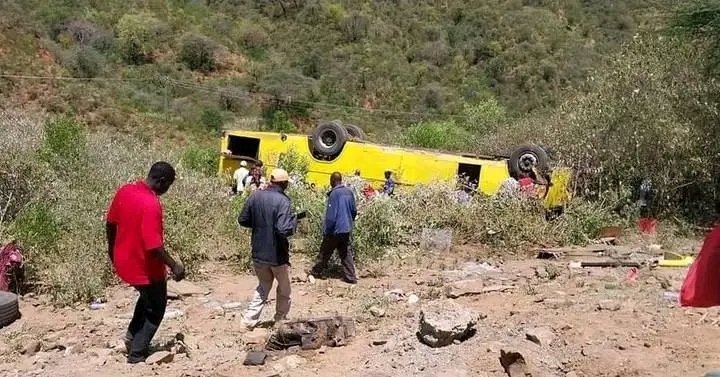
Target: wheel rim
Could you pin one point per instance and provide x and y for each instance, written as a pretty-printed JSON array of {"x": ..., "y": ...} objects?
[
  {"x": 328, "y": 139},
  {"x": 527, "y": 161}
]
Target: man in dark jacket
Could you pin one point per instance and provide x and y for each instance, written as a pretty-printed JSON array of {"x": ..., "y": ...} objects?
[
  {"x": 339, "y": 218},
  {"x": 268, "y": 212}
]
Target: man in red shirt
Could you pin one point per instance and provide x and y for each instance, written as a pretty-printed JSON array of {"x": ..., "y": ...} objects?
[{"x": 134, "y": 227}]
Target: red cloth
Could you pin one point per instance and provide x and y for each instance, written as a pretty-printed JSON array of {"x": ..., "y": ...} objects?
[
  {"x": 701, "y": 288},
  {"x": 137, "y": 212},
  {"x": 647, "y": 225}
]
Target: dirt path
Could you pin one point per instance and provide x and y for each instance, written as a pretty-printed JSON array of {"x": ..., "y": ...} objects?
[{"x": 600, "y": 325}]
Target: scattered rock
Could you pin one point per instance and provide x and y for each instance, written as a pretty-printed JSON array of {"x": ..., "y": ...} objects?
[
  {"x": 514, "y": 364},
  {"x": 571, "y": 374},
  {"x": 160, "y": 357},
  {"x": 172, "y": 296},
  {"x": 557, "y": 303},
  {"x": 542, "y": 336},
  {"x": 470, "y": 270},
  {"x": 231, "y": 306},
  {"x": 609, "y": 305},
  {"x": 413, "y": 299},
  {"x": 311, "y": 279},
  {"x": 257, "y": 336},
  {"x": 100, "y": 352},
  {"x": 377, "y": 311},
  {"x": 289, "y": 363},
  {"x": 172, "y": 314},
  {"x": 395, "y": 295},
  {"x": 186, "y": 289},
  {"x": 32, "y": 348},
  {"x": 442, "y": 322},
  {"x": 464, "y": 288},
  {"x": 379, "y": 342}
]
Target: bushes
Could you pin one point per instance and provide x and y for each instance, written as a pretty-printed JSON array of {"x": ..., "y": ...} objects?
[
  {"x": 139, "y": 35},
  {"x": 198, "y": 53},
  {"x": 201, "y": 160},
  {"x": 212, "y": 120},
  {"x": 85, "y": 62},
  {"x": 437, "y": 135},
  {"x": 64, "y": 143},
  {"x": 74, "y": 175}
]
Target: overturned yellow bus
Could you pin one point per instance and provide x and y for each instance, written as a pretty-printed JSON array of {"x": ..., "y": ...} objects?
[{"x": 337, "y": 147}]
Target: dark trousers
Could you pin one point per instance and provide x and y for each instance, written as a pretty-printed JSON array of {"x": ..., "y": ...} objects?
[
  {"x": 149, "y": 312},
  {"x": 342, "y": 243}
]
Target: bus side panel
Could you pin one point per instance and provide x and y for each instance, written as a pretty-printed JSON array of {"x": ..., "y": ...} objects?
[
  {"x": 423, "y": 168},
  {"x": 492, "y": 174},
  {"x": 226, "y": 165}
]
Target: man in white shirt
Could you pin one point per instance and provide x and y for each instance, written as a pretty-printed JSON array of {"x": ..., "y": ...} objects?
[{"x": 239, "y": 177}]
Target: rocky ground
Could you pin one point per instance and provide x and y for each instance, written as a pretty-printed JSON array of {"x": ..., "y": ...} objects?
[{"x": 559, "y": 320}]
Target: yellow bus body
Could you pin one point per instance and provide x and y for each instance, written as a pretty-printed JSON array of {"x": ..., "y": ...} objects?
[{"x": 409, "y": 166}]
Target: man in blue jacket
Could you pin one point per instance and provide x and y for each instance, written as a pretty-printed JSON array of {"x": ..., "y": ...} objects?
[
  {"x": 339, "y": 218},
  {"x": 269, "y": 213}
]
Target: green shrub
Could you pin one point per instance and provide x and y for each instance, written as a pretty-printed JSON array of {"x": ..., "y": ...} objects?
[
  {"x": 281, "y": 123},
  {"x": 212, "y": 120},
  {"x": 86, "y": 62},
  {"x": 201, "y": 160},
  {"x": 139, "y": 35},
  {"x": 295, "y": 163},
  {"x": 38, "y": 227},
  {"x": 437, "y": 135},
  {"x": 198, "y": 52},
  {"x": 64, "y": 143}
]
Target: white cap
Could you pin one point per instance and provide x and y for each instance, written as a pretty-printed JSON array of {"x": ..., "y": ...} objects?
[{"x": 243, "y": 163}]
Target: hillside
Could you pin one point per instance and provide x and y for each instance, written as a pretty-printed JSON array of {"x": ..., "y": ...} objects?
[{"x": 196, "y": 65}]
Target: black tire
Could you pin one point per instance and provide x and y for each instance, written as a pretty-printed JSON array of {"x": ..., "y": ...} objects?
[
  {"x": 354, "y": 131},
  {"x": 9, "y": 308},
  {"x": 329, "y": 138},
  {"x": 526, "y": 157}
]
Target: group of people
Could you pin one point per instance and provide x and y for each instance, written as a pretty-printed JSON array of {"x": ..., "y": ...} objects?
[
  {"x": 245, "y": 179},
  {"x": 134, "y": 228}
]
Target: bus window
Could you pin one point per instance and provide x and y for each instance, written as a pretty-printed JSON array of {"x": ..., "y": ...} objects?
[
  {"x": 469, "y": 173},
  {"x": 244, "y": 146}
]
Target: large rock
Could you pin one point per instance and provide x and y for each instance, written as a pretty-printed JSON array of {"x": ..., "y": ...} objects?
[{"x": 444, "y": 322}]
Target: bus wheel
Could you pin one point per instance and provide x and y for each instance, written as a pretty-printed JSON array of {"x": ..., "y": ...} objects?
[
  {"x": 526, "y": 157},
  {"x": 354, "y": 131},
  {"x": 329, "y": 138}
]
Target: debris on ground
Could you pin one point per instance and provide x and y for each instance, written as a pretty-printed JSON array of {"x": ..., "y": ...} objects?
[
  {"x": 311, "y": 334},
  {"x": 255, "y": 358},
  {"x": 395, "y": 295},
  {"x": 377, "y": 311},
  {"x": 444, "y": 322}
]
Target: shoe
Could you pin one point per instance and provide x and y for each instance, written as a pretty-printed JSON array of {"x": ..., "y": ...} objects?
[
  {"x": 136, "y": 360},
  {"x": 348, "y": 281}
]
